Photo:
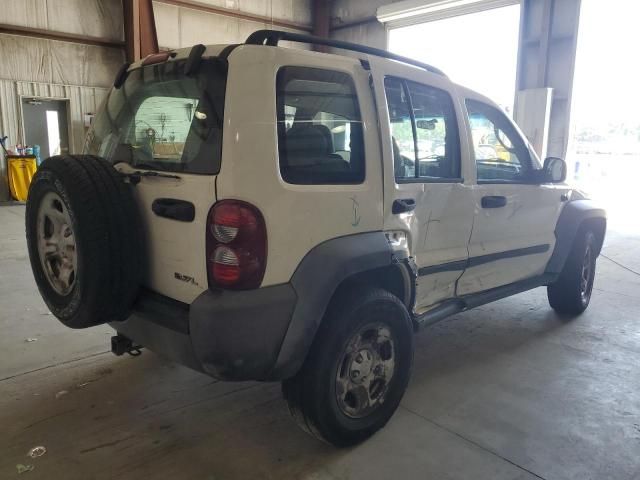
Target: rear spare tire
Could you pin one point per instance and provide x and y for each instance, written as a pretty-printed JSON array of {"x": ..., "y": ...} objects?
[{"x": 84, "y": 240}]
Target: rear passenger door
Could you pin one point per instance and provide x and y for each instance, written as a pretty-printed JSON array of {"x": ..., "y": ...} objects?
[{"x": 424, "y": 166}]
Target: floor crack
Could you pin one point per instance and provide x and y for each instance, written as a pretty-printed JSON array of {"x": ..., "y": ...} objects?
[
  {"x": 635, "y": 297},
  {"x": 472, "y": 442},
  {"x": 107, "y": 444},
  {"x": 621, "y": 265},
  {"x": 54, "y": 365},
  {"x": 47, "y": 418}
]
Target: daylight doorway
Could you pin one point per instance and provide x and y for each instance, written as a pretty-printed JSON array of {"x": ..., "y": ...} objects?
[
  {"x": 477, "y": 50},
  {"x": 604, "y": 149}
]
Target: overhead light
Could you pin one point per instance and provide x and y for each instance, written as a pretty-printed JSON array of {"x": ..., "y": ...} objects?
[{"x": 410, "y": 12}]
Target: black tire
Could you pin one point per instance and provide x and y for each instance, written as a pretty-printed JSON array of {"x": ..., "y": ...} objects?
[
  {"x": 570, "y": 294},
  {"x": 106, "y": 229},
  {"x": 311, "y": 394}
]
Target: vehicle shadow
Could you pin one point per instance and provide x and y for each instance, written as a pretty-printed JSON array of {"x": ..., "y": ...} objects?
[{"x": 125, "y": 417}]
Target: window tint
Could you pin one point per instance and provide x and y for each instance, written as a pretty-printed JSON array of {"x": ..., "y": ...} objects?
[
  {"x": 402, "y": 138},
  {"x": 164, "y": 120},
  {"x": 319, "y": 127},
  {"x": 501, "y": 153},
  {"x": 423, "y": 132}
]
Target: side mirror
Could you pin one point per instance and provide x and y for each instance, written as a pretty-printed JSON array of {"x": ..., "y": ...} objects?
[{"x": 554, "y": 170}]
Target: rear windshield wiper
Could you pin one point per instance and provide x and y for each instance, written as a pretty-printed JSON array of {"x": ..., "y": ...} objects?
[{"x": 135, "y": 176}]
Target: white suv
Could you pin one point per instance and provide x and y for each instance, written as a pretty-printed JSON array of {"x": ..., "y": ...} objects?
[{"x": 265, "y": 213}]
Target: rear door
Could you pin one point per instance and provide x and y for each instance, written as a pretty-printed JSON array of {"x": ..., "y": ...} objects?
[
  {"x": 425, "y": 165},
  {"x": 169, "y": 127},
  {"x": 513, "y": 229}
]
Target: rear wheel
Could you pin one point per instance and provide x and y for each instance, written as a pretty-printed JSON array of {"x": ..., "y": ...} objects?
[
  {"x": 357, "y": 370},
  {"x": 571, "y": 293}
]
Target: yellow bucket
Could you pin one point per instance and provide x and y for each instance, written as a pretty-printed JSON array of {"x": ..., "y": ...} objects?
[{"x": 21, "y": 170}]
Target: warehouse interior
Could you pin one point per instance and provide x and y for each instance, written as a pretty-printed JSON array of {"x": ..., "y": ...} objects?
[{"x": 509, "y": 390}]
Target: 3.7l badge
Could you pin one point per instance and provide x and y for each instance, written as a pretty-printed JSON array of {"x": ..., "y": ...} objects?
[{"x": 185, "y": 278}]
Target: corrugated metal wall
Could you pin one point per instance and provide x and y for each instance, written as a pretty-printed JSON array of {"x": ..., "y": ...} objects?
[
  {"x": 48, "y": 61},
  {"x": 53, "y": 69},
  {"x": 179, "y": 26},
  {"x": 83, "y": 73},
  {"x": 40, "y": 60},
  {"x": 95, "y": 18},
  {"x": 82, "y": 100}
]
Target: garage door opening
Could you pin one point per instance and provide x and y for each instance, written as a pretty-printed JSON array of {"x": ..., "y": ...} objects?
[
  {"x": 604, "y": 154},
  {"x": 478, "y": 50}
]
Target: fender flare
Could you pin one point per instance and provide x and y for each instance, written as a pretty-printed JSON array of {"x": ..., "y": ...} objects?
[
  {"x": 316, "y": 280},
  {"x": 573, "y": 215}
]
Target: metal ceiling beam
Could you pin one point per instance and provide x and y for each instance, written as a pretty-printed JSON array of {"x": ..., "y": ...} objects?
[{"x": 59, "y": 36}]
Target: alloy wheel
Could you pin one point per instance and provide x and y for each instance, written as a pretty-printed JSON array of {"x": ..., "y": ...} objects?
[
  {"x": 365, "y": 371},
  {"x": 56, "y": 244}
]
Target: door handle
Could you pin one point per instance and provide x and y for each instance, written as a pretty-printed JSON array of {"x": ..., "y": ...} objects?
[
  {"x": 493, "y": 201},
  {"x": 176, "y": 209},
  {"x": 403, "y": 205}
]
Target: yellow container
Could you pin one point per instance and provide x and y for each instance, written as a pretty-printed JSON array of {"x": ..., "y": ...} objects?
[{"x": 21, "y": 170}]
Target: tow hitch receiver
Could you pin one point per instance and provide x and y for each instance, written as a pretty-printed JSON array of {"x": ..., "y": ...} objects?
[{"x": 121, "y": 345}]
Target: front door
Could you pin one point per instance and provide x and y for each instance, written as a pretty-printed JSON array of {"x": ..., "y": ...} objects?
[
  {"x": 424, "y": 166},
  {"x": 513, "y": 229}
]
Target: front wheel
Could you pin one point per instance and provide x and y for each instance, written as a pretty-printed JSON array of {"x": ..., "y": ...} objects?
[
  {"x": 357, "y": 370},
  {"x": 571, "y": 293}
]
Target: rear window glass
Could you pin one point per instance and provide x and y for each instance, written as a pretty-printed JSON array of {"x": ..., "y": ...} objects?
[
  {"x": 163, "y": 120},
  {"x": 319, "y": 127}
]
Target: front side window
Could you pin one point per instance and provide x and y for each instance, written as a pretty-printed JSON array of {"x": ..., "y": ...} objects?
[
  {"x": 501, "y": 153},
  {"x": 424, "y": 133},
  {"x": 320, "y": 138}
]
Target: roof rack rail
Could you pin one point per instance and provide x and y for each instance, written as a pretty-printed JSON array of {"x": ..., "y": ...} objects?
[{"x": 272, "y": 37}]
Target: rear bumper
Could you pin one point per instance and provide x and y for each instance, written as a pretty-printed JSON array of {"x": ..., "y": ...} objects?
[{"x": 230, "y": 335}]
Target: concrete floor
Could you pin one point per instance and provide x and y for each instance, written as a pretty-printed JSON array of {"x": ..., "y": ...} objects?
[{"x": 508, "y": 391}]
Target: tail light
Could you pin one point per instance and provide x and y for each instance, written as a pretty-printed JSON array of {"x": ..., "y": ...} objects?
[{"x": 236, "y": 245}]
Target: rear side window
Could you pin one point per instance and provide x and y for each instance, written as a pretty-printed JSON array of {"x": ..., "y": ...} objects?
[{"x": 320, "y": 137}]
